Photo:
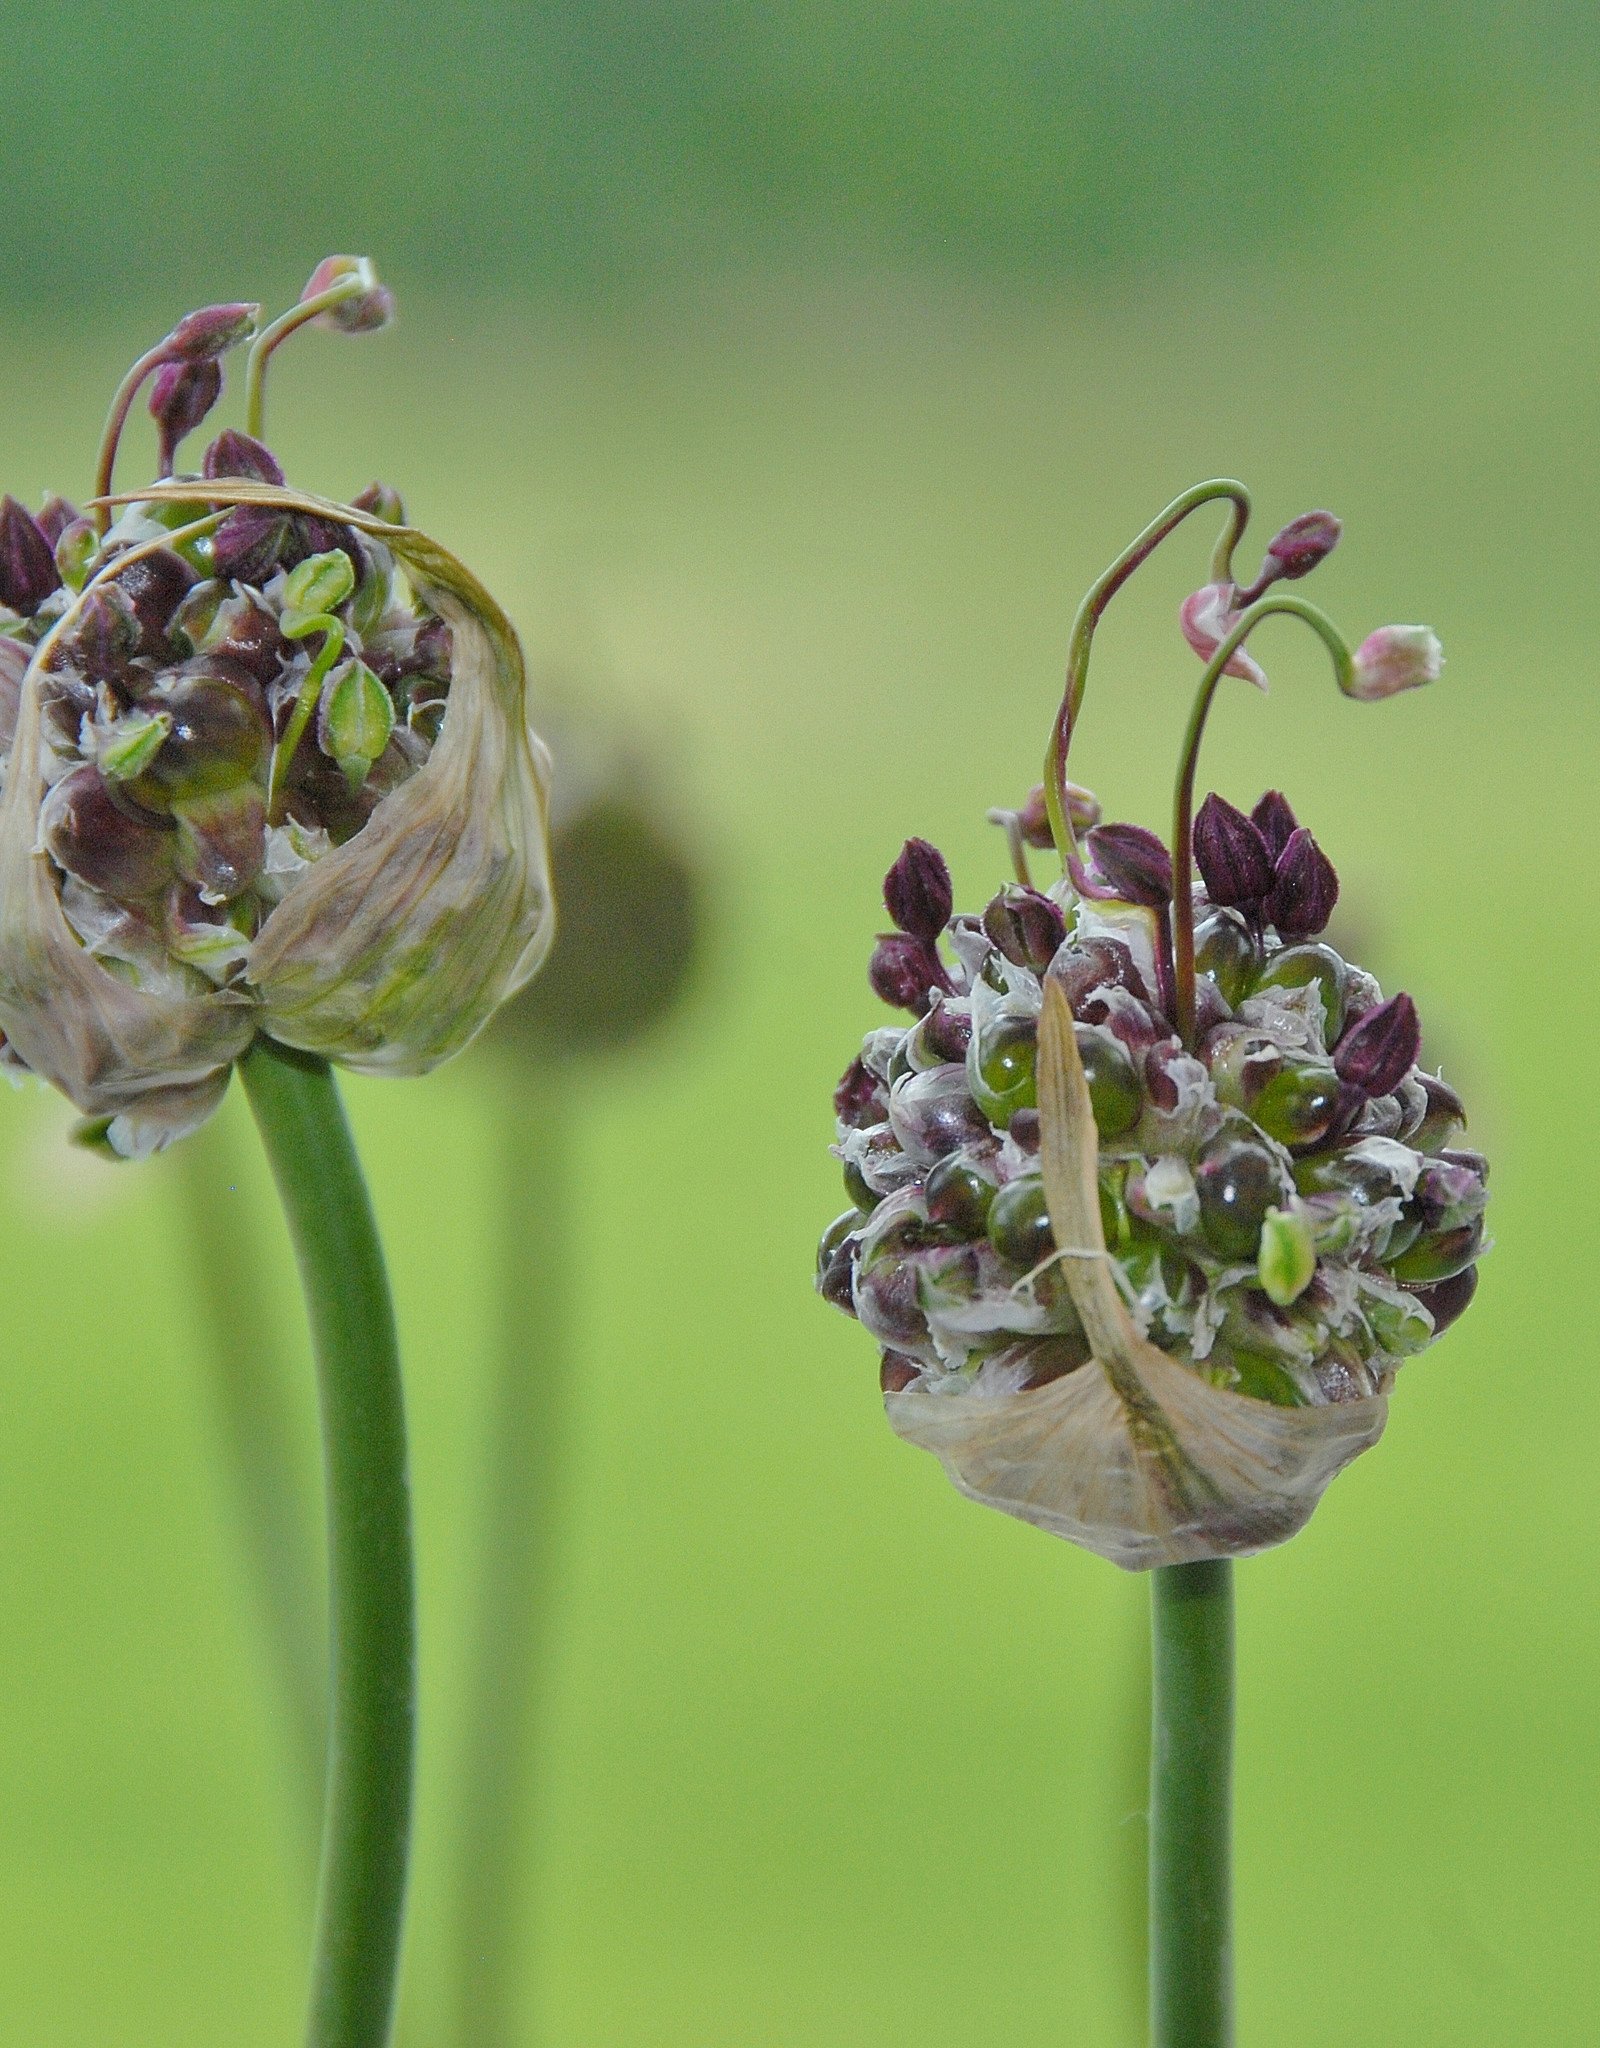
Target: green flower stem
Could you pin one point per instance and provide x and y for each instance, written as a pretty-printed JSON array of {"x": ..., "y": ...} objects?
[
  {"x": 327, "y": 654},
  {"x": 372, "y": 1603},
  {"x": 1189, "y": 760},
  {"x": 498, "y": 1811},
  {"x": 1093, "y": 607},
  {"x": 255, "y": 374},
  {"x": 248, "y": 1389},
  {"x": 1191, "y": 1800},
  {"x": 116, "y": 419}
]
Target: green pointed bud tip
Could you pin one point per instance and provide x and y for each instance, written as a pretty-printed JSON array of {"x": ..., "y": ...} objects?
[
  {"x": 134, "y": 743},
  {"x": 317, "y": 585},
  {"x": 76, "y": 549},
  {"x": 93, "y": 1134},
  {"x": 1287, "y": 1258},
  {"x": 356, "y": 721}
]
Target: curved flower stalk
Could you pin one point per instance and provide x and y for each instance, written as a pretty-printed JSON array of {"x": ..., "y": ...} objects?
[{"x": 203, "y": 838}]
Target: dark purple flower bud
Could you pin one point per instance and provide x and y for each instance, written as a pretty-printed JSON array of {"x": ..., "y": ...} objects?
[
  {"x": 1135, "y": 863},
  {"x": 28, "y": 571},
  {"x": 897, "y": 1372},
  {"x": 859, "y": 1100},
  {"x": 1275, "y": 821},
  {"x": 55, "y": 516},
  {"x": 180, "y": 397},
  {"x": 1377, "y": 1054},
  {"x": 1448, "y": 1299},
  {"x": 946, "y": 1033},
  {"x": 200, "y": 336},
  {"x": 1027, "y": 927},
  {"x": 905, "y": 971},
  {"x": 236, "y": 454},
  {"x": 106, "y": 634},
  {"x": 1304, "y": 888},
  {"x": 383, "y": 502},
  {"x": 1231, "y": 854},
  {"x": 1026, "y": 1128},
  {"x": 1295, "y": 550},
  {"x": 155, "y": 585},
  {"x": 917, "y": 892},
  {"x": 245, "y": 548}
]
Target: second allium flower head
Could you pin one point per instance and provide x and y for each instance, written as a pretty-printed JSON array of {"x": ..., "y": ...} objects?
[
  {"x": 1151, "y": 1199},
  {"x": 268, "y": 765}
]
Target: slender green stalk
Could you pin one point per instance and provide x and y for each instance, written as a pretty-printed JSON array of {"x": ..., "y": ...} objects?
[
  {"x": 248, "y": 1388},
  {"x": 1191, "y": 1806},
  {"x": 372, "y": 1604},
  {"x": 499, "y": 1800}
]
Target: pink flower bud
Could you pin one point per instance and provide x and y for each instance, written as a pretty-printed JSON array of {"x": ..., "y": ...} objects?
[
  {"x": 199, "y": 336},
  {"x": 364, "y": 311},
  {"x": 1207, "y": 617},
  {"x": 1395, "y": 658}
]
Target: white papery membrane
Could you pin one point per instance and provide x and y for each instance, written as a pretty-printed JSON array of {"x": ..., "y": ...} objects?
[
  {"x": 1133, "y": 1455},
  {"x": 386, "y": 955}
]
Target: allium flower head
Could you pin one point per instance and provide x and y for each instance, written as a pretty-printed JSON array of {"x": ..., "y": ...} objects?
[
  {"x": 1149, "y": 1197},
  {"x": 267, "y": 768}
]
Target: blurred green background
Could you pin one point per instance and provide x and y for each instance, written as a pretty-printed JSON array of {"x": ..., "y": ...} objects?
[{"x": 789, "y": 370}]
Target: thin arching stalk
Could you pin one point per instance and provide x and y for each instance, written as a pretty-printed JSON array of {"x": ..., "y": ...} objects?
[
  {"x": 519, "y": 1538},
  {"x": 1191, "y": 1806},
  {"x": 372, "y": 1602}
]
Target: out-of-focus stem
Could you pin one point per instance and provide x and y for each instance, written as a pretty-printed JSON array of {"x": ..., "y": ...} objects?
[
  {"x": 248, "y": 1385},
  {"x": 522, "y": 1499}
]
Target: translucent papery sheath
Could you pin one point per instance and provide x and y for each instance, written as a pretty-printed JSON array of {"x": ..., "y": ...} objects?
[
  {"x": 389, "y": 953},
  {"x": 1133, "y": 1455}
]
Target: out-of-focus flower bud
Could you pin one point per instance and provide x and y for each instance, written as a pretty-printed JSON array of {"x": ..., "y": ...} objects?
[
  {"x": 1294, "y": 551},
  {"x": 75, "y": 549},
  {"x": 1208, "y": 616},
  {"x": 383, "y": 502},
  {"x": 212, "y": 331},
  {"x": 366, "y": 310},
  {"x": 181, "y": 394},
  {"x": 247, "y": 546},
  {"x": 1393, "y": 659},
  {"x": 917, "y": 892},
  {"x": 1304, "y": 888},
  {"x": 1231, "y": 854},
  {"x": 1135, "y": 863},
  {"x": 1286, "y": 1261},
  {"x": 1033, "y": 820},
  {"x": 905, "y": 971},
  {"x": 1027, "y": 927},
  {"x": 236, "y": 454},
  {"x": 28, "y": 571},
  {"x": 55, "y": 516},
  {"x": 355, "y": 720},
  {"x": 1377, "y": 1053}
]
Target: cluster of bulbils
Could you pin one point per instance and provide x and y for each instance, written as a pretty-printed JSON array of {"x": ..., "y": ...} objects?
[
  {"x": 1286, "y": 1201},
  {"x": 211, "y": 691},
  {"x": 1286, "y": 1206}
]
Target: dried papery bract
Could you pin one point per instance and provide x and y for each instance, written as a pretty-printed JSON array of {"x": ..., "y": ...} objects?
[{"x": 1132, "y": 1455}]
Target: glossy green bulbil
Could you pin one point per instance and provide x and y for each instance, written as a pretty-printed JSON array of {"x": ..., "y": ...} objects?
[
  {"x": 1237, "y": 1183},
  {"x": 1297, "y": 1105},
  {"x": 1019, "y": 1225},
  {"x": 1225, "y": 950},
  {"x": 1299, "y": 967},
  {"x": 1440, "y": 1255},
  {"x": 957, "y": 1196},
  {"x": 837, "y": 1231},
  {"x": 1000, "y": 1070},
  {"x": 1114, "y": 1092}
]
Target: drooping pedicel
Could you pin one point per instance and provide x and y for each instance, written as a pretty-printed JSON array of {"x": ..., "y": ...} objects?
[
  {"x": 1279, "y": 1192},
  {"x": 267, "y": 766}
]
